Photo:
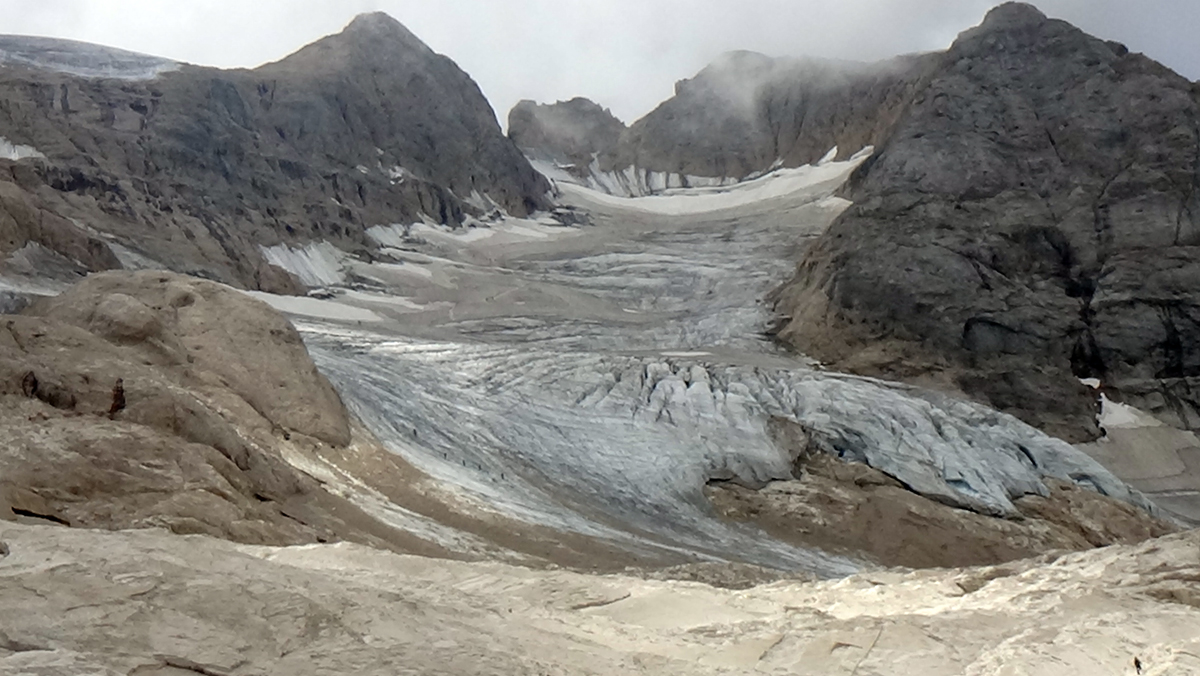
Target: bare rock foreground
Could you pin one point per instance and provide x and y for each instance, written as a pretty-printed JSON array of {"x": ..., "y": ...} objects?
[{"x": 148, "y": 602}]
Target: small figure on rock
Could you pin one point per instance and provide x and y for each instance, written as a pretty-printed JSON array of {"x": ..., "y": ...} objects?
[
  {"x": 1137, "y": 664},
  {"x": 29, "y": 385},
  {"x": 118, "y": 399}
]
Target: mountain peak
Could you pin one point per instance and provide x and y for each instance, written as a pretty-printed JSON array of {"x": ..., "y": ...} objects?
[
  {"x": 369, "y": 38},
  {"x": 1013, "y": 15},
  {"x": 375, "y": 22},
  {"x": 379, "y": 28}
]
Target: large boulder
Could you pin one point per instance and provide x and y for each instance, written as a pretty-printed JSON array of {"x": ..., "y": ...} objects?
[
  {"x": 216, "y": 392},
  {"x": 223, "y": 337}
]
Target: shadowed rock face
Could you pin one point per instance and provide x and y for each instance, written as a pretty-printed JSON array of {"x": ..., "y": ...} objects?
[
  {"x": 1034, "y": 216},
  {"x": 197, "y": 167}
]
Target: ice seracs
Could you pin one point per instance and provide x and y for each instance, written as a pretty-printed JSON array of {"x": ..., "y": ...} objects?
[{"x": 679, "y": 201}]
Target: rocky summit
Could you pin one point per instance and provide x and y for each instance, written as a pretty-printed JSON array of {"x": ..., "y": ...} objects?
[{"x": 116, "y": 160}]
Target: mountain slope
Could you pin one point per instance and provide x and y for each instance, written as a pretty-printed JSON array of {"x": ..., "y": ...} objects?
[{"x": 196, "y": 168}]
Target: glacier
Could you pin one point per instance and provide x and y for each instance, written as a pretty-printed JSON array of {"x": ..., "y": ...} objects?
[{"x": 594, "y": 379}]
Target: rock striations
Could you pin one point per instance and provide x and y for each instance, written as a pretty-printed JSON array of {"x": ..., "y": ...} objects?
[
  {"x": 150, "y": 604},
  {"x": 195, "y": 169}
]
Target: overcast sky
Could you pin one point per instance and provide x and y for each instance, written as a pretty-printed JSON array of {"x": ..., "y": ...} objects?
[{"x": 624, "y": 54}]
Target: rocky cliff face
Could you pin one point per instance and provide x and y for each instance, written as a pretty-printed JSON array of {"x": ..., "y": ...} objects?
[
  {"x": 747, "y": 111},
  {"x": 1030, "y": 216},
  {"x": 196, "y": 168},
  {"x": 1033, "y": 217}
]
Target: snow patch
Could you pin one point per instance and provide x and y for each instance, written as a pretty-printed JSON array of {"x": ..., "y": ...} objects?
[
  {"x": 396, "y": 173},
  {"x": 132, "y": 260},
  {"x": 317, "y": 264},
  {"x": 400, "y": 302},
  {"x": 315, "y": 307},
  {"x": 482, "y": 202},
  {"x": 406, "y": 268},
  {"x": 1115, "y": 415},
  {"x": 16, "y": 152},
  {"x": 502, "y": 231},
  {"x": 392, "y": 236}
]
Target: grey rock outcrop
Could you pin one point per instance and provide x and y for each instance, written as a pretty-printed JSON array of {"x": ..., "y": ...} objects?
[
  {"x": 571, "y": 133},
  {"x": 1033, "y": 217},
  {"x": 195, "y": 168}
]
